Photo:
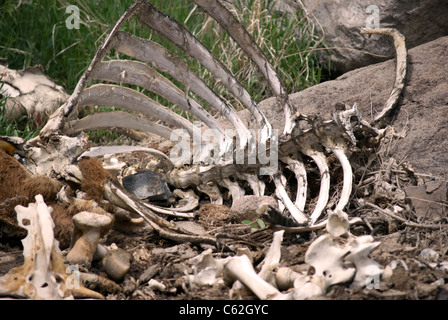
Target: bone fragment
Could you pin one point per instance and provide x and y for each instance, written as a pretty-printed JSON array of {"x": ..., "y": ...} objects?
[
  {"x": 273, "y": 256},
  {"x": 240, "y": 268}
]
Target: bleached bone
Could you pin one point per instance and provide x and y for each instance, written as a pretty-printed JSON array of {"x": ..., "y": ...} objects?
[
  {"x": 116, "y": 119},
  {"x": 110, "y": 150},
  {"x": 305, "y": 285},
  {"x": 331, "y": 137},
  {"x": 57, "y": 157},
  {"x": 400, "y": 71},
  {"x": 213, "y": 192},
  {"x": 257, "y": 186},
  {"x": 309, "y": 145},
  {"x": 89, "y": 227},
  {"x": 240, "y": 268},
  {"x": 132, "y": 100},
  {"x": 228, "y": 21},
  {"x": 296, "y": 213},
  {"x": 234, "y": 188},
  {"x": 123, "y": 199},
  {"x": 169, "y": 211},
  {"x": 152, "y": 52},
  {"x": 367, "y": 270},
  {"x": 327, "y": 258},
  {"x": 180, "y": 36},
  {"x": 190, "y": 200},
  {"x": 43, "y": 274},
  {"x": 299, "y": 170},
  {"x": 140, "y": 74},
  {"x": 272, "y": 258}
]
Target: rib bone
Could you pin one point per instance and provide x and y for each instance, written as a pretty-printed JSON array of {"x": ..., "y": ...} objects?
[
  {"x": 175, "y": 32},
  {"x": 228, "y": 21},
  {"x": 152, "y": 52},
  {"x": 310, "y": 146},
  {"x": 295, "y": 212},
  {"x": 140, "y": 74}
]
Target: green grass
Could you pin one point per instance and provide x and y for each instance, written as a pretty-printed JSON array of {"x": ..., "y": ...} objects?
[{"x": 34, "y": 32}]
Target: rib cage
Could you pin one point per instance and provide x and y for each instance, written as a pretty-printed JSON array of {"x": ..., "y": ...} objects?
[{"x": 294, "y": 143}]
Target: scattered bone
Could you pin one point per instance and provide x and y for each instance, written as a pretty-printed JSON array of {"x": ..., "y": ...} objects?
[
  {"x": 240, "y": 268},
  {"x": 89, "y": 228},
  {"x": 272, "y": 258},
  {"x": 116, "y": 263},
  {"x": 43, "y": 274}
]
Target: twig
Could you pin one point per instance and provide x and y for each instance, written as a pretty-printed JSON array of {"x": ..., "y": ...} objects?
[{"x": 407, "y": 223}]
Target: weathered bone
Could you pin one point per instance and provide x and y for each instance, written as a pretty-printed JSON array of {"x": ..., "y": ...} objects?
[
  {"x": 57, "y": 120},
  {"x": 240, "y": 268},
  {"x": 138, "y": 73},
  {"x": 121, "y": 198},
  {"x": 299, "y": 170},
  {"x": 132, "y": 100},
  {"x": 110, "y": 150},
  {"x": 272, "y": 258},
  {"x": 116, "y": 119},
  {"x": 309, "y": 145},
  {"x": 400, "y": 72},
  {"x": 43, "y": 274},
  {"x": 296, "y": 213}
]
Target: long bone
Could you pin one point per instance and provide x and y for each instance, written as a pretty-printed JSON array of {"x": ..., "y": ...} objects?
[
  {"x": 400, "y": 71},
  {"x": 236, "y": 30},
  {"x": 151, "y": 52},
  {"x": 180, "y": 36},
  {"x": 117, "y": 119}
]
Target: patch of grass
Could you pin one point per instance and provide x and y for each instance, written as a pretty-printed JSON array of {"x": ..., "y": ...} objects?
[
  {"x": 34, "y": 32},
  {"x": 22, "y": 127}
]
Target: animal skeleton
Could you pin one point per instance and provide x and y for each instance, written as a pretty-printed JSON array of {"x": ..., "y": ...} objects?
[{"x": 302, "y": 136}]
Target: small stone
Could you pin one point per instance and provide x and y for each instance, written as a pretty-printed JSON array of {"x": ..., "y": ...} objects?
[
  {"x": 248, "y": 207},
  {"x": 429, "y": 255},
  {"x": 148, "y": 185}
]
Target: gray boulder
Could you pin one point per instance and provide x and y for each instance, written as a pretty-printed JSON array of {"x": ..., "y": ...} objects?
[{"x": 339, "y": 21}]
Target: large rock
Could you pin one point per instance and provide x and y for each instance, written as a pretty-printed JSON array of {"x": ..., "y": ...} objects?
[
  {"x": 339, "y": 21},
  {"x": 423, "y": 108}
]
